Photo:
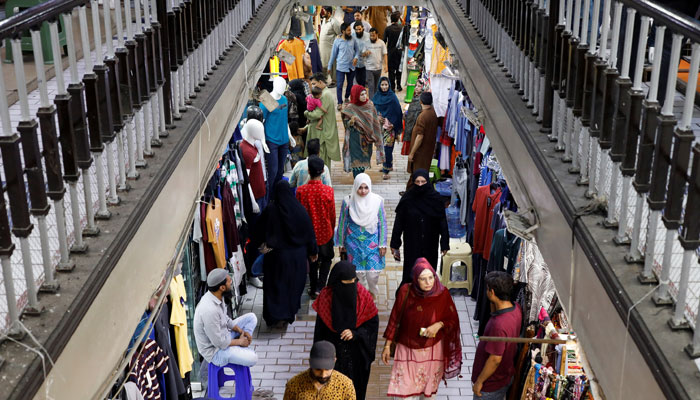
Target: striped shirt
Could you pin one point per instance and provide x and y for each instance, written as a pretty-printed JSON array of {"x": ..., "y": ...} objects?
[{"x": 151, "y": 360}]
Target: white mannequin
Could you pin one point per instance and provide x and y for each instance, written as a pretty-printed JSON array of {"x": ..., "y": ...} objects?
[
  {"x": 254, "y": 132},
  {"x": 279, "y": 85}
]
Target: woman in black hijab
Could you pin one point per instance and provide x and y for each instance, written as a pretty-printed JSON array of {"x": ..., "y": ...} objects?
[
  {"x": 420, "y": 218},
  {"x": 285, "y": 235},
  {"x": 347, "y": 317}
]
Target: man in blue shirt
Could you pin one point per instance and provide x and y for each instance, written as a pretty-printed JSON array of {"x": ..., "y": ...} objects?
[
  {"x": 346, "y": 52},
  {"x": 363, "y": 42}
]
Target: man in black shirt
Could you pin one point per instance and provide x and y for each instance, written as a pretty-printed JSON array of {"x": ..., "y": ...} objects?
[{"x": 391, "y": 37}]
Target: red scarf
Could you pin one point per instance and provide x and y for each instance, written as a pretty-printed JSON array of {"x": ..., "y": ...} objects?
[{"x": 366, "y": 309}]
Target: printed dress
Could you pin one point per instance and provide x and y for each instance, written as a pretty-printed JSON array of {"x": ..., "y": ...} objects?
[{"x": 362, "y": 246}]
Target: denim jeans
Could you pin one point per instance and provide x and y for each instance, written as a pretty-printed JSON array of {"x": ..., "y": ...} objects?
[
  {"x": 388, "y": 157},
  {"x": 236, "y": 354},
  {"x": 340, "y": 78},
  {"x": 275, "y": 159},
  {"x": 499, "y": 394}
]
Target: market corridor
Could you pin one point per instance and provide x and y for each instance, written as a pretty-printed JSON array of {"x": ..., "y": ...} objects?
[{"x": 283, "y": 354}]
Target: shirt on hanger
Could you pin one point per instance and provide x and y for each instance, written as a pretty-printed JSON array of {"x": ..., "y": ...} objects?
[
  {"x": 215, "y": 232},
  {"x": 151, "y": 361},
  {"x": 295, "y": 47},
  {"x": 178, "y": 319}
]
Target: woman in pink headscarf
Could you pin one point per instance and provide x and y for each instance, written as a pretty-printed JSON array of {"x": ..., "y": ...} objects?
[{"x": 425, "y": 326}]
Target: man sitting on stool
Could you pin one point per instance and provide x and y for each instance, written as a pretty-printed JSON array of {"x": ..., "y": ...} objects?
[{"x": 220, "y": 339}]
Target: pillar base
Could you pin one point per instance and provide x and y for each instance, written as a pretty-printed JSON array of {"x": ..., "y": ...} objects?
[
  {"x": 155, "y": 142},
  {"x": 79, "y": 249},
  {"x": 164, "y": 133},
  {"x": 113, "y": 201},
  {"x": 590, "y": 194},
  {"x": 647, "y": 279},
  {"x": 546, "y": 130},
  {"x": 141, "y": 164},
  {"x": 123, "y": 188},
  {"x": 177, "y": 117},
  {"x": 147, "y": 154},
  {"x": 197, "y": 89},
  {"x": 662, "y": 301},
  {"x": 566, "y": 159},
  {"x": 574, "y": 170},
  {"x": 552, "y": 138},
  {"x": 91, "y": 232},
  {"x": 32, "y": 311},
  {"x": 67, "y": 266},
  {"x": 610, "y": 224},
  {"x": 170, "y": 126},
  {"x": 559, "y": 148},
  {"x": 49, "y": 287},
  {"x": 133, "y": 176},
  {"x": 621, "y": 241},
  {"x": 192, "y": 95},
  {"x": 678, "y": 325},
  {"x": 188, "y": 102},
  {"x": 629, "y": 259},
  {"x": 103, "y": 215},
  {"x": 581, "y": 181}
]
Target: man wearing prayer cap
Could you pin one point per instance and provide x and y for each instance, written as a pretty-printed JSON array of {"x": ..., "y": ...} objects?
[
  {"x": 220, "y": 339},
  {"x": 424, "y": 135}
]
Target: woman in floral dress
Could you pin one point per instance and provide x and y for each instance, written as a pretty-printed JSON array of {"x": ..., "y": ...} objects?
[{"x": 361, "y": 232}]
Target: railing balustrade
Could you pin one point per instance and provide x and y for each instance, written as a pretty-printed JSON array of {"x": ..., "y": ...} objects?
[{"x": 92, "y": 127}]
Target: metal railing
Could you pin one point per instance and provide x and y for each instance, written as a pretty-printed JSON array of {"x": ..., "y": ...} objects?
[
  {"x": 586, "y": 68},
  {"x": 93, "y": 126}
]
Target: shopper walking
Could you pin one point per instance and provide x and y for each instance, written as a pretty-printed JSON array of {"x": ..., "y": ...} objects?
[
  {"x": 330, "y": 29},
  {"x": 423, "y": 135},
  {"x": 300, "y": 173},
  {"x": 359, "y": 20},
  {"x": 389, "y": 107},
  {"x": 421, "y": 221},
  {"x": 425, "y": 326},
  {"x": 320, "y": 381},
  {"x": 363, "y": 130},
  {"x": 348, "y": 318},
  {"x": 392, "y": 33},
  {"x": 493, "y": 367},
  {"x": 412, "y": 113},
  {"x": 328, "y": 133},
  {"x": 361, "y": 232},
  {"x": 319, "y": 202},
  {"x": 344, "y": 55},
  {"x": 377, "y": 17},
  {"x": 285, "y": 236},
  {"x": 362, "y": 37},
  {"x": 376, "y": 61}
]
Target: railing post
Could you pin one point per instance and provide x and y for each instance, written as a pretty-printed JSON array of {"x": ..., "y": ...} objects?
[
  {"x": 32, "y": 166},
  {"x": 662, "y": 162},
  {"x": 690, "y": 236}
]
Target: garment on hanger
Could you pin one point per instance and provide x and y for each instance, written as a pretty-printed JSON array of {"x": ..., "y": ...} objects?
[
  {"x": 257, "y": 183},
  {"x": 215, "y": 231},
  {"x": 174, "y": 386},
  {"x": 152, "y": 361},
  {"x": 295, "y": 47},
  {"x": 178, "y": 319}
]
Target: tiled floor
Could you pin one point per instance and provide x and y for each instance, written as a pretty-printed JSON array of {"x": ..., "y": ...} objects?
[{"x": 283, "y": 354}]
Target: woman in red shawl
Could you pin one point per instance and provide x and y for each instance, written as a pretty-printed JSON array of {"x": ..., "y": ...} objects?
[
  {"x": 348, "y": 318},
  {"x": 362, "y": 130},
  {"x": 425, "y": 325}
]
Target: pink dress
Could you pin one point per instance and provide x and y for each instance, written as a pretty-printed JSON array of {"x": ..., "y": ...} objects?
[
  {"x": 416, "y": 371},
  {"x": 312, "y": 103}
]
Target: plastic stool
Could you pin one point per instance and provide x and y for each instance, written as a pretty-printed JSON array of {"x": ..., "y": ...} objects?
[
  {"x": 459, "y": 252},
  {"x": 241, "y": 376}
]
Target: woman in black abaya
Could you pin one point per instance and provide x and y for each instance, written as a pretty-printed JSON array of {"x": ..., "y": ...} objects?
[
  {"x": 286, "y": 237},
  {"x": 347, "y": 317},
  {"x": 421, "y": 220}
]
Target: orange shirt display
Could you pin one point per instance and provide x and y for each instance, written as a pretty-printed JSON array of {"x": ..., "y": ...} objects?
[
  {"x": 215, "y": 232},
  {"x": 295, "y": 47}
]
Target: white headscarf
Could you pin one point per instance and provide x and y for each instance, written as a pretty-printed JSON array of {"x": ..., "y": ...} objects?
[{"x": 364, "y": 211}]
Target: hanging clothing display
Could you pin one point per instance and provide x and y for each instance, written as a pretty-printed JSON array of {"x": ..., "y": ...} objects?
[
  {"x": 149, "y": 363},
  {"x": 178, "y": 319},
  {"x": 295, "y": 47}
]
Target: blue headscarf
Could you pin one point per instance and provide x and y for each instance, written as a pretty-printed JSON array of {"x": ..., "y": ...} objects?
[{"x": 387, "y": 104}]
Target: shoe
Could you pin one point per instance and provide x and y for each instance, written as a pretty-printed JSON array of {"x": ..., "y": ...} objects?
[
  {"x": 389, "y": 169},
  {"x": 386, "y": 177},
  {"x": 332, "y": 85},
  {"x": 255, "y": 281},
  {"x": 313, "y": 295},
  {"x": 401, "y": 193},
  {"x": 340, "y": 107},
  {"x": 399, "y": 89}
]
